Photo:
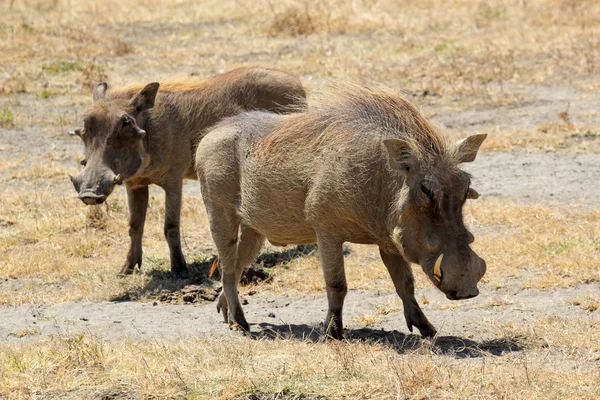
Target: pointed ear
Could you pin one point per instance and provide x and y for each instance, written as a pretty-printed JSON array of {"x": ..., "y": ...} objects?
[
  {"x": 99, "y": 92},
  {"x": 467, "y": 148},
  {"x": 77, "y": 132},
  {"x": 146, "y": 97},
  {"x": 472, "y": 194},
  {"x": 399, "y": 152},
  {"x": 130, "y": 129}
]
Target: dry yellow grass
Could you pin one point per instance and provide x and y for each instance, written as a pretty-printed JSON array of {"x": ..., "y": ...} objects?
[
  {"x": 452, "y": 55},
  {"x": 75, "y": 252},
  {"x": 468, "y": 53},
  {"x": 550, "y": 361}
]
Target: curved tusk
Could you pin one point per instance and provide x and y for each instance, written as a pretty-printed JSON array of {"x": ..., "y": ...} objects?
[
  {"x": 437, "y": 268},
  {"x": 117, "y": 179},
  {"x": 71, "y": 177}
]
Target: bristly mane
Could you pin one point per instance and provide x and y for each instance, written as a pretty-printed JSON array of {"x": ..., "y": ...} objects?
[
  {"x": 191, "y": 83},
  {"x": 185, "y": 84},
  {"x": 360, "y": 109}
]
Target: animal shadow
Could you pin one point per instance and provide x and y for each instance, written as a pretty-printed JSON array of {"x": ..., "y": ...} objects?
[
  {"x": 454, "y": 346},
  {"x": 161, "y": 280}
]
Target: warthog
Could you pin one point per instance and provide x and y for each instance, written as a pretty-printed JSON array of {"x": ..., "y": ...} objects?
[
  {"x": 140, "y": 135},
  {"x": 361, "y": 166}
]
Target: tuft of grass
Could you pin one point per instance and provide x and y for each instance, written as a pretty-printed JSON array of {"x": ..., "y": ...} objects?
[
  {"x": 587, "y": 302},
  {"x": 61, "y": 67},
  {"x": 7, "y": 118},
  {"x": 46, "y": 94}
]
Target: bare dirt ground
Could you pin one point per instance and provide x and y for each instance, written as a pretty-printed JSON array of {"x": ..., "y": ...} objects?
[{"x": 526, "y": 73}]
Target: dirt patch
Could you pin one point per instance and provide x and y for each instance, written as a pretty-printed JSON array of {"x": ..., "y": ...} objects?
[
  {"x": 476, "y": 323},
  {"x": 189, "y": 295},
  {"x": 548, "y": 178}
]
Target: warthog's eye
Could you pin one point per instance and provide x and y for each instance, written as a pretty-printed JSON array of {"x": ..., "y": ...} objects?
[
  {"x": 427, "y": 191},
  {"x": 83, "y": 162}
]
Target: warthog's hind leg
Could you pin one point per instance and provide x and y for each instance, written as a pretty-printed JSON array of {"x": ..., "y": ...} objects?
[
  {"x": 137, "y": 200},
  {"x": 331, "y": 255},
  {"x": 404, "y": 283},
  {"x": 237, "y": 248},
  {"x": 249, "y": 245}
]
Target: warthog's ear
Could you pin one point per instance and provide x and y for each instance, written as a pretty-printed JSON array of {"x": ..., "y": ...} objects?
[
  {"x": 77, "y": 132},
  {"x": 467, "y": 148},
  {"x": 99, "y": 92},
  {"x": 399, "y": 152},
  {"x": 472, "y": 194},
  {"x": 145, "y": 98},
  {"x": 130, "y": 129}
]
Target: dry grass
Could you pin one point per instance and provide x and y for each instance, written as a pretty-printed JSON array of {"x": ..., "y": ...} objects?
[
  {"x": 588, "y": 302},
  {"x": 548, "y": 362},
  {"x": 62, "y": 251},
  {"x": 452, "y": 56},
  {"x": 548, "y": 137},
  {"x": 59, "y": 250}
]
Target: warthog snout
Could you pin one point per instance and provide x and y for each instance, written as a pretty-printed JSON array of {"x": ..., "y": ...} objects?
[
  {"x": 456, "y": 278},
  {"x": 91, "y": 198},
  {"x": 93, "y": 193}
]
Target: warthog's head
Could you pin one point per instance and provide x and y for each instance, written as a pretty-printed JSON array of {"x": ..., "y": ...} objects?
[
  {"x": 430, "y": 229},
  {"x": 114, "y": 149}
]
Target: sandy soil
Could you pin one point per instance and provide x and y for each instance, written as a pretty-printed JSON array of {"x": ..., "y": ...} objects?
[{"x": 475, "y": 320}]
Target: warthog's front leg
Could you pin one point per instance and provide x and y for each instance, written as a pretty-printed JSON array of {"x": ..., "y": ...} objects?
[
  {"x": 173, "y": 195},
  {"x": 404, "y": 283},
  {"x": 137, "y": 200},
  {"x": 331, "y": 254}
]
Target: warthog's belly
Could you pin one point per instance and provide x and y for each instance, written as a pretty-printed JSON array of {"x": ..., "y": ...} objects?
[
  {"x": 280, "y": 230},
  {"x": 292, "y": 235}
]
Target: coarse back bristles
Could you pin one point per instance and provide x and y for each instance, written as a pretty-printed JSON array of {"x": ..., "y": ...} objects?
[
  {"x": 193, "y": 83},
  {"x": 351, "y": 107}
]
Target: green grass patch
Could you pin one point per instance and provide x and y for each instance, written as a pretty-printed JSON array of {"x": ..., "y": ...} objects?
[
  {"x": 7, "y": 118},
  {"x": 62, "y": 67}
]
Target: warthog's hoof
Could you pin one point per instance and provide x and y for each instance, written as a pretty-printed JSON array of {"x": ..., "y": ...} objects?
[
  {"x": 180, "y": 273},
  {"x": 428, "y": 331},
  {"x": 126, "y": 270},
  {"x": 222, "y": 306},
  {"x": 334, "y": 330},
  {"x": 243, "y": 327}
]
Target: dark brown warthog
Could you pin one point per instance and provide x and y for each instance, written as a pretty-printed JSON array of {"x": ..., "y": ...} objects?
[
  {"x": 141, "y": 135},
  {"x": 360, "y": 166}
]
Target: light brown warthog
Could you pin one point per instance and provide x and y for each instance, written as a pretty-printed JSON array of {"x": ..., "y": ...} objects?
[
  {"x": 141, "y": 135},
  {"x": 360, "y": 166}
]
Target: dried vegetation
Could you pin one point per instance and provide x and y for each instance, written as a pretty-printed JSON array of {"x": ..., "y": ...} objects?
[{"x": 450, "y": 56}]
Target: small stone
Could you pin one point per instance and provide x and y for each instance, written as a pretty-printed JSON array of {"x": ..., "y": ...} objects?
[
  {"x": 244, "y": 302},
  {"x": 155, "y": 303},
  {"x": 271, "y": 315},
  {"x": 211, "y": 297}
]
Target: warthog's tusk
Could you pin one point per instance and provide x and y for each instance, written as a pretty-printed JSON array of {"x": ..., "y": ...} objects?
[
  {"x": 437, "y": 268},
  {"x": 71, "y": 177},
  {"x": 117, "y": 179}
]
